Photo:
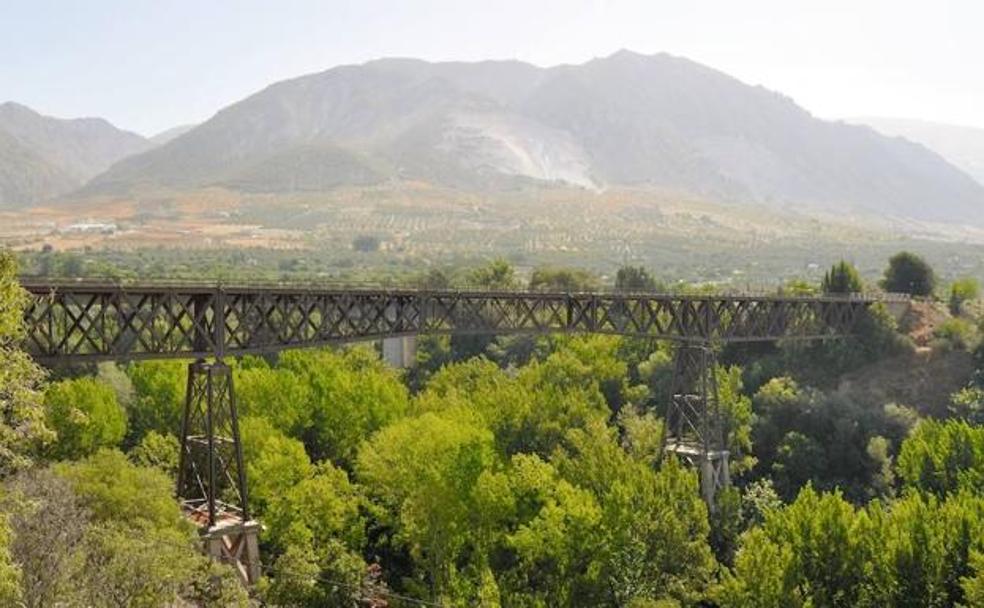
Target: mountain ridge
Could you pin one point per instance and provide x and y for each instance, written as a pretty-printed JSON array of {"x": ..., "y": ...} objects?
[
  {"x": 626, "y": 119},
  {"x": 961, "y": 145},
  {"x": 44, "y": 157}
]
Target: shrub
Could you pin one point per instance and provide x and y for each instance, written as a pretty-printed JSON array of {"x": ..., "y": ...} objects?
[{"x": 909, "y": 273}]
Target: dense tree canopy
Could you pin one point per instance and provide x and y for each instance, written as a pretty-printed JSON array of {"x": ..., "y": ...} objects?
[
  {"x": 909, "y": 273},
  {"x": 634, "y": 278},
  {"x": 22, "y": 420},
  {"x": 85, "y": 415},
  {"x": 842, "y": 277},
  {"x": 562, "y": 279}
]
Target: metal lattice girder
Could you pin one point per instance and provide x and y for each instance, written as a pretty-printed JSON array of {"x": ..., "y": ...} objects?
[
  {"x": 693, "y": 416},
  {"x": 211, "y": 479},
  {"x": 133, "y": 321},
  {"x": 694, "y": 424}
]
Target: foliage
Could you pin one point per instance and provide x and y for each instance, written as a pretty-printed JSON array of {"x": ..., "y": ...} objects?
[
  {"x": 105, "y": 515},
  {"x": 634, "y": 278},
  {"x": 366, "y": 243},
  {"x": 909, "y": 273},
  {"x": 85, "y": 415},
  {"x": 23, "y": 430},
  {"x": 803, "y": 435},
  {"x": 956, "y": 334},
  {"x": 562, "y": 279},
  {"x": 497, "y": 274},
  {"x": 47, "y": 524},
  {"x": 963, "y": 290},
  {"x": 280, "y": 395},
  {"x": 318, "y": 533},
  {"x": 736, "y": 410},
  {"x": 968, "y": 404},
  {"x": 274, "y": 462},
  {"x": 943, "y": 458},
  {"x": 842, "y": 277},
  {"x": 352, "y": 394},
  {"x": 157, "y": 451},
  {"x": 112, "y": 488},
  {"x": 10, "y": 571},
  {"x": 160, "y": 387},
  {"x": 424, "y": 473}
]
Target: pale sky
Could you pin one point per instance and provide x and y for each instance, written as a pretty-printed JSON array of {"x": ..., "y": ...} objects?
[{"x": 147, "y": 65}]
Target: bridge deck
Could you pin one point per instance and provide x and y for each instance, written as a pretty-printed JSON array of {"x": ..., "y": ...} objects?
[{"x": 118, "y": 320}]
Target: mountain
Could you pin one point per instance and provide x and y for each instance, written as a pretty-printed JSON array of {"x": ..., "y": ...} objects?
[
  {"x": 168, "y": 134},
  {"x": 625, "y": 120},
  {"x": 43, "y": 157},
  {"x": 962, "y": 146},
  {"x": 26, "y": 177}
]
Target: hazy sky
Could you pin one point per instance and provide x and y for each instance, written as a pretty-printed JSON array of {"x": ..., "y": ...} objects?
[{"x": 147, "y": 65}]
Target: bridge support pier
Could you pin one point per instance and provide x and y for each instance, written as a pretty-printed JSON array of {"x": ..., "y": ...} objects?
[
  {"x": 211, "y": 479},
  {"x": 694, "y": 428},
  {"x": 400, "y": 352}
]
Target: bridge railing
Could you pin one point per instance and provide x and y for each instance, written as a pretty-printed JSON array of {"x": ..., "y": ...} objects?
[{"x": 35, "y": 283}]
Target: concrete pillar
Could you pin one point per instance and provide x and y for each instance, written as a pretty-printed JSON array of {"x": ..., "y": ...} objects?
[
  {"x": 235, "y": 542},
  {"x": 401, "y": 351},
  {"x": 715, "y": 475}
]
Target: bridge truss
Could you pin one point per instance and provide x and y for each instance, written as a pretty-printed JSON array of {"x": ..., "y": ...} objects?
[{"x": 90, "y": 321}]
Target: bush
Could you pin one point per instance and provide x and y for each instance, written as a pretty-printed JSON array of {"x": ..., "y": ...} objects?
[
  {"x": 963, "y": 290},
  {"x": 635, "y": 278},
  {"x": 86, "y": 416},
  {"x": 842, "y": 278},
  {"x": 365, "y": 243},
  {"x": 909, "y": 273},
  {"x": 956, "y": 334}
]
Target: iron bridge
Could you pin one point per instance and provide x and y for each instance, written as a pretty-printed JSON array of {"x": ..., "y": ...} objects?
[{"x": 81, "y": 320}]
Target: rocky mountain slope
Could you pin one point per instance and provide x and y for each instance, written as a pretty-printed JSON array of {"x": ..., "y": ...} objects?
[
  {"x": 961, "y": 146},
  {"x": 43, "y": 157},
  {"x": 628, "y": 119}
]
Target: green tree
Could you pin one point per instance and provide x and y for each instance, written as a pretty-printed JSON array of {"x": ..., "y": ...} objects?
[
  {"x": 842, "y": 277},
  {"x": 973, "y": 585},
  {"x": 635, "y": 278},
  {"x": 353, "y": 394},
  {"x": 85, "y": 415},
  {"x": 160, "y": 388},
  {"x": 557, "y": 543},
  {"x": 497, "y": 275},
  {"x": 366, "y": 243},
  {"x": 47, "y": 524},
  {"x": 318, "y": 532},
  {"x": 423, "y": 473},
  {"x": 826, "y": 548},
  {"x": 22, "y": 419},
  {"x": 909, "y": 273},
  {"x": 963, "y": 290},
  {"x": 145, "y": 551},
  {"x": 736, "y": 411},
  {"x": 562, "y": 279},
  {"x": 157, "y": 451},
  {"x": 281, "y": 395},
  {"x": 762, "y": 575},
  {"x": 943, "y": 457},
  {"x": 652, "y": 542},
  {"x": 274, "y": 462}
]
